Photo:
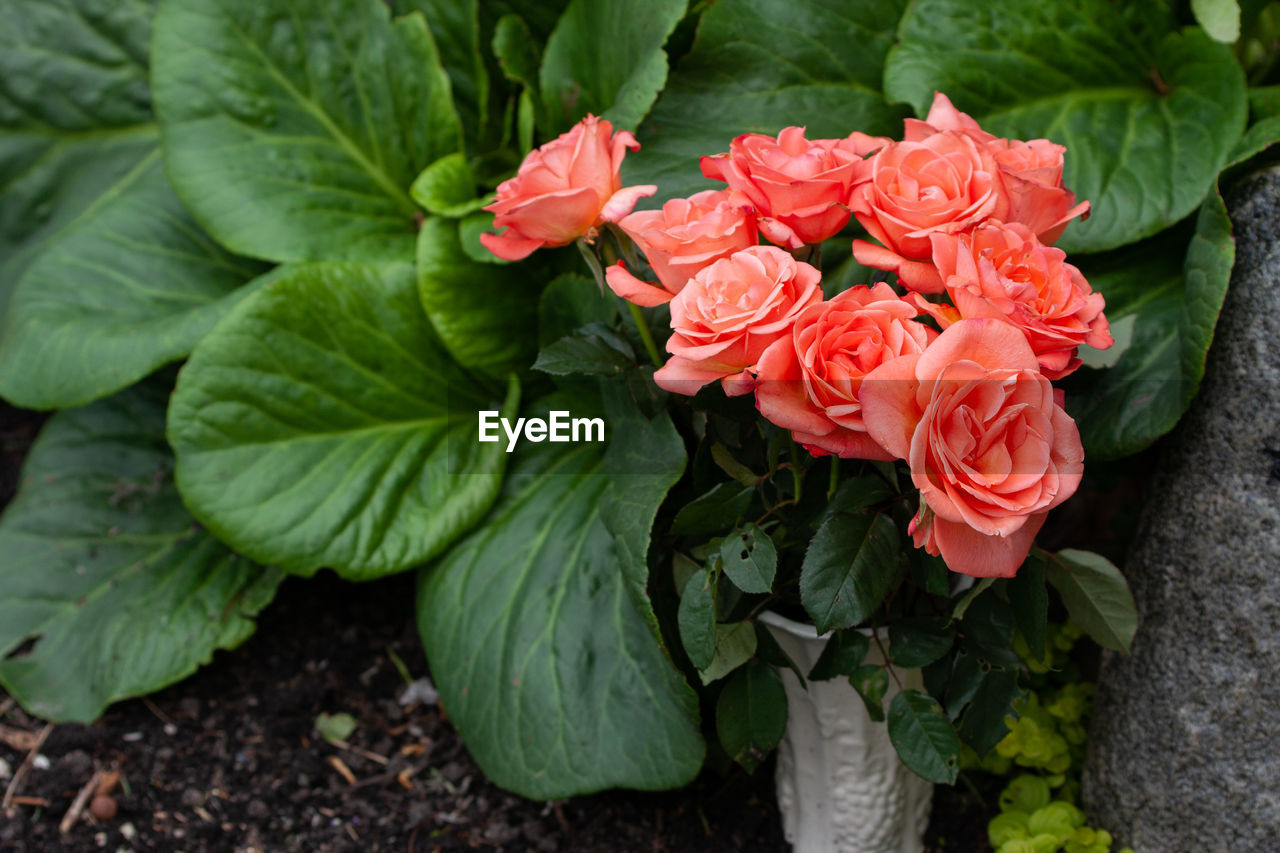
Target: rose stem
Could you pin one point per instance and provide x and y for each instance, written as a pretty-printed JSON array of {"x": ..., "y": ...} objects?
[
  {"x": 835, "y": 477},
  {"x": 645, "y": 335}
]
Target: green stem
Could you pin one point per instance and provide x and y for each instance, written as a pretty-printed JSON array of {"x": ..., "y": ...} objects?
[
  {"x": 645, "y": 335},
  {"x": 795, "y": 468},
  {"x": 835, "y": 477}
]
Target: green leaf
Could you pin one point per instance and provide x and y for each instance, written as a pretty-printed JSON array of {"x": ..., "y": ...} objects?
[
  {"x": 321, "y": 424},
  {"x": 983, "y": 584},
  {"x": 856, "y": 494},
  {"x": 556, "y": 683},
  {"x": 335, "y": 727},
  {"x": 841, "y": 656},
  {"x": 1096, "y": 595},
  {"x": 126, "y": 290},
  {"x": 570, "y": 302},
  {"x": 871, "y": 681},
  {"x": 1030, "y": 602},
  {"x": 607, "y": 59},
  {"x": 75, "y": 117},
  {"x": 1220, "y": 18},
  {"x": 456, "y": 29},
  {"x": 749, "y": 559},
  {"x": 517, "y": 51},
  {"x": 759, "y": 66},
  {"x": 915, "y": 642},
  {"x": 923, "y": 737},
  {"x": 1148, "y": 118},
  {"x": 723, "y": 457},
  {"x": 929, "y": 572},
  {"x": 735, "y": 644},
  {"x": 447, "y": 188},
  {"x": 696, "y": 618},
  {"x": 769, "y": 651},
  {"x": 480, "y": 311},
  {"x": 593, "y": 349},
  {"x": 751, "y": 714},
  {"x": 293, "y": 128},
  {"x": 850, "y": 566},
  {"x": 714, "y": 511},
  {"x": 100, "y": 564},
  {"x": 983, "y": 725}
]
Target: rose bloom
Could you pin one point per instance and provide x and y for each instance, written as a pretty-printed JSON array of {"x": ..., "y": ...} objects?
[
  {"x": 800, "y": 188},
  {"x": 990, "y": 448},
  {"x": 808, "y": 381},
  {"x": 1030, "y": 172},
  {"x": 944, "y": 183},
  {"x": 729, "y": 313},
  {"x": 563, "y": 190},
  {"x": 1003, "y": 272},
  {"x": 685, "y": 236}
]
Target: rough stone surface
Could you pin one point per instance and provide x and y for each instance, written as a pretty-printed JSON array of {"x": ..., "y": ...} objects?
[{"x": 1185, "y": 749}]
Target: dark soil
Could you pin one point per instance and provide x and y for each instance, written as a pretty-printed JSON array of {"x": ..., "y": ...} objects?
[{"x": 229, "y": 760}]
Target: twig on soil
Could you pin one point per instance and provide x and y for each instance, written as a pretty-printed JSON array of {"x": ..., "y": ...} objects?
[
  {"x": 16, "y": 782},
  {"x": 73, "y": 814},
  {"x": 161, "y": 715},
  {"x": 31, "y": 801},
  {"x": 18, "y": 739},
  {"x": 343, "y": 770},
  {"x": 372, "y": 756}
]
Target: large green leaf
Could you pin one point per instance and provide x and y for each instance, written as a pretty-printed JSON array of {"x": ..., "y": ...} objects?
[
  {"x": 924, "y": 737},
  {"x": 759, "y": 66},
  {"x": 322, "y": 424},
  {"x": 455, "y": 28},
  {"x": 75, "y": 116},
  {"x": 125, "y": 291},
  {"x": 293, "y": 128},
  {"x": 481, "y": 311},
  {"x": 849, "y": 567},
  {"x": 1147, "y": 118},
  {"x": 555, "y": 681},
  {"x": 607, "y": 58},
  {"x": 121, "y": 590},
  {"x": 1096, "y": 595}
]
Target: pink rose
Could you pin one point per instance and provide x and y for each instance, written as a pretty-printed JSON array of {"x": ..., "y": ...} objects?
[
  {"x": 944, "y": 183},
  {"x": 687, "y": 235},
  {"x": 989, "y": 446},
  {"x": 563, "y": 190},
  {"x": 1030, "y": 172},
  {"x": 800, "y": 188},
  {"x": 808, "y": 381},
  {"x": 727, "y": 315},
  {"x": 1003, "y": 272}
]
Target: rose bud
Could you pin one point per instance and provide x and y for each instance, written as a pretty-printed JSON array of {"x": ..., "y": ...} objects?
[
  {"x": 727, "y": 315},
  {"x": 564, "y": 190}
]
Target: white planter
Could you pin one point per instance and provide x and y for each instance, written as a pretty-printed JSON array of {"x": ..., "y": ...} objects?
[{"x": 841, "y": 787}]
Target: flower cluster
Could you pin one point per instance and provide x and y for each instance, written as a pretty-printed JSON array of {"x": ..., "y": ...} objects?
[{"x": 950, "y": 372}]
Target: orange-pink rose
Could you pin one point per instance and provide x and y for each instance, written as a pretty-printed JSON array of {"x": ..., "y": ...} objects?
[
  {"x": 563, "y": 190},
  {"x": 990, "y": 448},
  {"x": 808, "y": 381},
  {"x": 944, "y": 183},
  {"x": 729, "y": 313},
  {"x": 1030, "y": 172},
  {"x": 1003, "y": 272},
  {"x": 685, "y": 236},
  {"x": 800, "y": 188}
]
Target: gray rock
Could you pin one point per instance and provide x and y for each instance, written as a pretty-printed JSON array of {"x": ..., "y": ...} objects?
[{"x": 1184, "y": 754}]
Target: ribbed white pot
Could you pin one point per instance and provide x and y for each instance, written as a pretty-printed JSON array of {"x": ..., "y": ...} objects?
[{"x": 841, "y": 786}]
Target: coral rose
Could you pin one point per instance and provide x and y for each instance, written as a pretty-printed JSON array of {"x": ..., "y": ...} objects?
[
  {"x": 989, "y": 446},
  {"x": 1030, "y": 172},
  {"x": 685, "y": 236},
  {"x": 729, "y": 313},
  {"x": 800, "y": 188},
  {"x": 808, "y": 381},
  {"x": 1002, "y": 271},
  {"x": 944, "y": 183},
  {"x": 563, "y": 190}
]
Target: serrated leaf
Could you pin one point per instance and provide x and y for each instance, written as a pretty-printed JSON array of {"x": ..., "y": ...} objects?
[
  {"x": 749, "y": 558},
  {"x": 293, "y": 128},
  {"x": 1148, "y": 116},
  {"x": 841, "y": 656},
  {"x": 751, "y": 714},
  {"x": 101, "y": 563},
  {"x": 1096, "y": 594},
  {"x": 735, "y": 644},
  {"x": 732, "y": 82},
  {"x": 918, "y": 642},
  {"x": 696, "y": 618},
  {"x": 713, "y": 511},
  {"x": 447, "y": 188},
  {"x": 849, "y": 567},
  {"x": 983, "y": 725},
  {"x": 594, "y": 349},
  {"x": 924, "y": 737},
  {"x": 607, "y": 59},
  {"x": 322, "y": 424},
  {"x": 544, "y": 660},
  {"x": 871, "y": 681},
  {"x": 128, "y": 289}
]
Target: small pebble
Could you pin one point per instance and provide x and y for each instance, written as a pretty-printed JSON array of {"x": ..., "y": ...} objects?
[
  {"x": 103, "y": 808},
  {"x": 170, "y": 729},
  {"x": 41, "y": 762},
  {"x": 5, "y": 770},
  {"x": 128, "y": 831},
  {"x": 132, "y": 737}
]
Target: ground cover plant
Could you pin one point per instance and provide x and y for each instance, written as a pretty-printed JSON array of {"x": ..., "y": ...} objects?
[{"x": 294, "y": 200}]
